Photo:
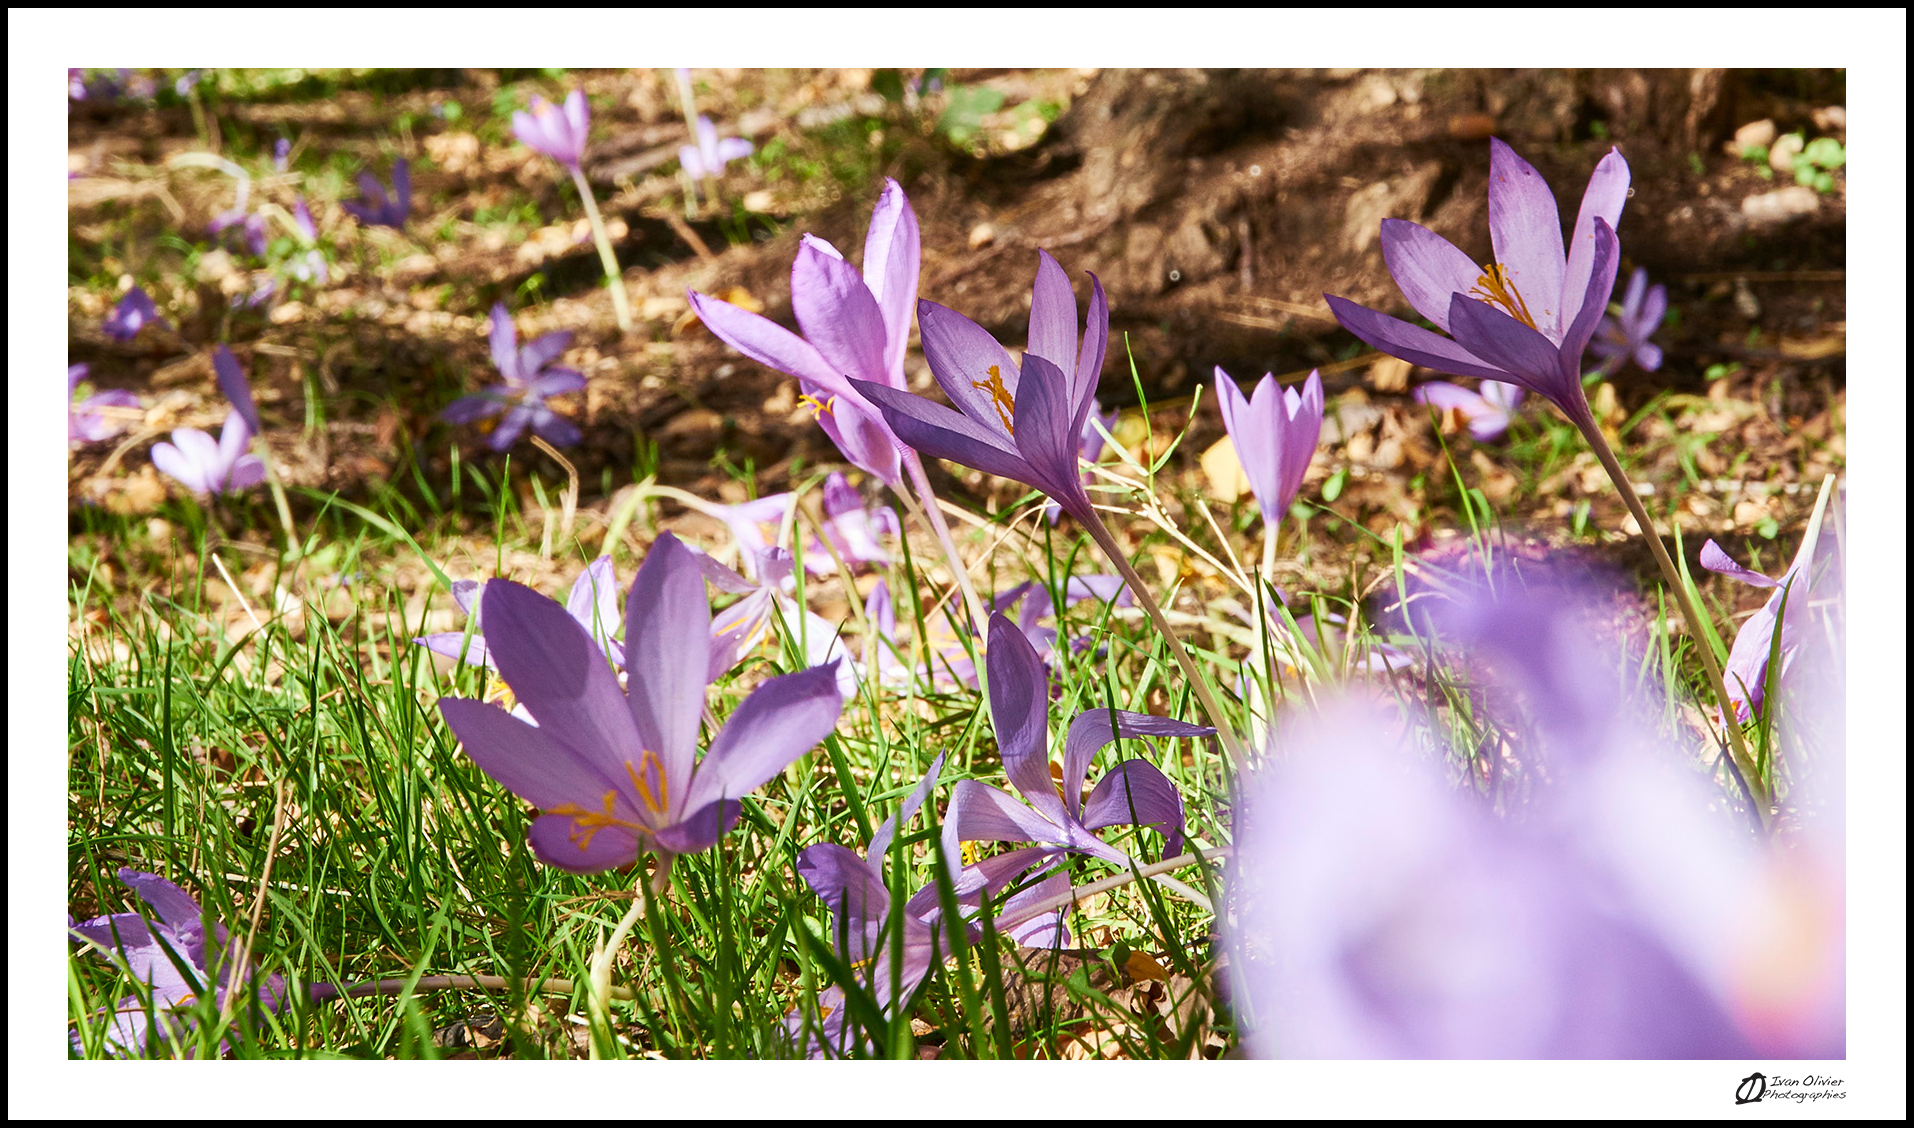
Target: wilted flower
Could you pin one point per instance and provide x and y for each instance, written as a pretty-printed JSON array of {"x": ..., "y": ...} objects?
[
  {"x": 528, "y": 382},
  {"x": 134, "y": 312},
  {"x": 853, "y": 326},
  {"x": 559, "y": 133},
  {"x": 851, "y": 529},
  {"x": 615, "y": 772},
  {"x": 593, "y": 602},
  {"x": 709, "y": 156},
  {"x": 172, "y": 956},
  {"x": 208, "y": 467},
  {"x": 1275, "y": 433},
  {"x": 1524, "y": 318},
  {"x": 1032, "y": 439},
  {"x": 86, "y": 422},
  {"x": 375, "y": 208},
  {"x": 1487, "y": 412},
  {"x": 1626, "y": 337}
]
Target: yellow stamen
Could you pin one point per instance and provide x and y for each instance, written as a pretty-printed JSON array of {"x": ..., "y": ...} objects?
[
  {"x": 968, "y": 851},
  {"x": 500, "y": 694},
  {"x": 1000, "y": 397},
  {"x": 588, "y": 823},
  {"x": 1494, "y": 288},
  {"x": 650, "y": 781},
  {"x": 818, "y": 407}
]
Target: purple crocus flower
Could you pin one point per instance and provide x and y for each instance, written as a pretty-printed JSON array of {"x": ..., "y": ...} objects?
[
  {"x": 1487, "y": 412},
  {"x": 593, "y": 602},
  {"x": 528, "y": 382},
  {"x": 854, "y": 327},
  {"x": 134, "y": 312},
  {"x": 239, "y": 390},
  {"x": 615, "y": 772},
  {"x": 170, "y": 953},
  {"x": 1054, "y": 815},
  {"x": 851, "y": 529},
  {"x": 1089, "y": 448},
  {"x": 86, "y": 422},
  {"x": 1020, "y": 423},
  {"x": 558, "y": 132},
  {"x": 281, "y": 151},
  {"x": 1274, "y": 432},
  {"x": 208, "y": 467},
  {"x": 1524, "y": 318},
  {"x": 1746, "y": 673},
  {"x": 375, "y": 208},
  {"x": 756, "y": 525},
  {"x": 1030, "y": 601},
  {"x": 709, "y": 156},
  {"x": 1626, "y": 337}
]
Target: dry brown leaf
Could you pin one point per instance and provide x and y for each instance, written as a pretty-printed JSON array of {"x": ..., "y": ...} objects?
[{"x": 1224, "y": 471}]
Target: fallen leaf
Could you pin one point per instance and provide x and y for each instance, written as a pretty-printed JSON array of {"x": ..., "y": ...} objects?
[{"x": 1224, "y": 471}]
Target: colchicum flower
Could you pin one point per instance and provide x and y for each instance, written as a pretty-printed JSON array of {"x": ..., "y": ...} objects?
[
  {"x": 1626, "y": 338},
  {"x": 615, "y": 772},
  {"x": 1054, "y": 814},
  {"x": 1487, "y": 413},
  {"x": 208, "y": 467},
  {"x": 375, "y": 208},
  {"x": 853, "y": 327},
  {"x": 559, "y": 133},
  {"x": 709, "y": 156},
  {"x": 1089, "y": 449},
  {"x": 757, "y": 525},
  {"x": 134, "y": 312},
  {"x": 170, "y": 953},
  {"x": 1021, "y": 423},
  {"x": 1747, "y": 670},
  {"x": 1274, "y": 432},
  {"x": 95, "y": 417},
  {"x": 239, "y": 390},
  {"x": 593, "y": 602},
  {"x": 851, "y": 529},
  {"x": 529, "y": 381},
  {"x": 1524, "y": 318}
]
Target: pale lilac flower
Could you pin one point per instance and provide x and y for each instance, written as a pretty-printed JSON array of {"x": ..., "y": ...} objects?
[
  {"x": 1746, "y": 673},
  {"x": 709, "y": 156},
  {"x": 208, "y": 467},
  {"x": 85, "y": 421},
  {"x": 1626, "y": 337},
  {"x": 616, "y": 772},
  {"x": 529, "y": 381},
  {"x": 1021, "y": 423},
  {"x": 851, "y": 529},
  {"x": 1275, "y": 432},
  {"x": 239, "y": 390},
  {"x": 757, "y": 525},
  {"x": 375, "y": 208},
  {"x": 593, "y": 602},
  {"x": 1487, "y": 412},
  {"x": 281, "y": 151},
  {"x": 1524, "y": 318},
  {"x": 854, "y": 327},
  {"x": 185, "y": 83},
  {"x": 1031, "y": 602},
  {"x": 558, "y": 132},
  {"x": 171, "y": 954},
  {"x": 134, "y": 312},
  {"x": 1089, "y": 449}
]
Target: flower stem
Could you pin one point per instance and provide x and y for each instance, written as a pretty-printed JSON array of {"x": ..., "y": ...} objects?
[
  {"x": 1218, "y": 718},
  {"x": 1738, "y": 755},
  {"x": 915, "y": 467},
  {"x": 1085, "y": 892},
  {"x": 601, "y": 973},
  {"x": 620, "y": 301}
]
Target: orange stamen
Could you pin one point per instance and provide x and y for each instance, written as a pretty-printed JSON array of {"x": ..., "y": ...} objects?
[
  {"x": 1000, "y": 397},
  {"x": 1494, "y": 288}
]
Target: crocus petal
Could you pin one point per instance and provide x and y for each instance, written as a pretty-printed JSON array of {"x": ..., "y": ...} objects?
[
  {"x": 1045, "y": 436},
  {"x": 510, "y": 427},
  {"x": 1601, "y": 283},
  {"x": 1053, "y": 315},
  {"x": 1301, "y": 431},
  {"x": 981, "y": 813},
  {"x": 1716, "y": 560},
  {"x": 1046, "y": 929},
  {"x": 700, "y": 830},
  {"x": 1525, "y": 356},
  {"x": 1020, "y": 713},
  {"x": 472, "y": 408},
  {"x": 546, "y": 348},
  {"x": 557, "y": 842},
  {"x": 504, "y": 339},
  {"x": 247, "y": 471},
  {"x": 891, "y": 262},
  {"x": 1083, "y": 382},
  {"x": 853, "y": 892},
  {"x": 555, "y": 382},
  {"x": 174, "y": 905},
  {"x": 1525, "y": 227},
  {"x": 667, "y": 654},
  {"x": 578, "y": 117},
  {"x": 860, "y": 433},
  {"x": 456, "y": 644},
  {"x": 1428, "y": 268},
  {"x": 594, "y": 603},
  {"x": 554, "y": 428},
  {"x": 1090, "y": 731},
  {"x": 1409, "y": 342},
  {"x": 526, "y": 760},
  {"x": 1136, "y": 792},
  {"x": 233, "y": 437},
  {"x": 1606, "y": 193},
  {"x": 172, "y": 462},
  {"x": 936, "y": 430},
  {"x": 732, "y": 149},
  {"x": 881, "y": 837},
  {"x": 781, "y": 720},
  {"x": 767, "y": 343},
  {"x": 838, "y": 314},
  {"x": 964, "y": 359},
  {"x": 558, "y": 673},
  {"x": 233, "y": 382}
]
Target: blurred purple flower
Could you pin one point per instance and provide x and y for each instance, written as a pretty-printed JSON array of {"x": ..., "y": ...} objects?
[
  {"x": 558, "y": 132},
  {"x": 1626, "y": 338},
  {"x": 593, "y": 602},
  {"x": 709, "y": 156},
  {"x": 616, "y": 772},
  {"x": 208, "y": 467},
  {"x": 85, "y": 421},
  {"x": 134, "y": 312},
  {"x": 1275, "y": 432},
  {"x": 757, "y": 525},
  {"x": 1030, "y": 601},
  {"x": 1033, "y": 440},
  {"x": 185, "y": 83},
  {"x": 76, "y": 83},
  {"x": 1746, "y": 673},
  {"x": 529, "y": 381},
  {"x": 281, "y": 150},
  {"x": 851, "y": 529},
  {"x": 1089, "y": 448},
  {"x": 1487, "y": 412},
  {"x": 854, "y": 327},
  {"x": 1524, "y": 318},
  {"x": 239, "y": 390},
  {"x": 170, "y": 953},
  {"x": 375, "y": 208}
]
